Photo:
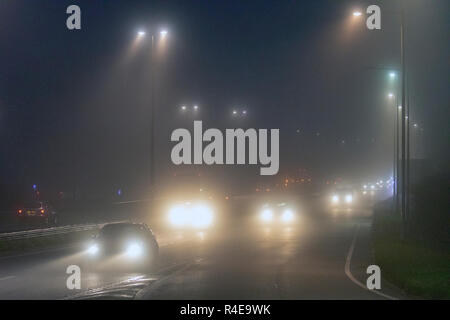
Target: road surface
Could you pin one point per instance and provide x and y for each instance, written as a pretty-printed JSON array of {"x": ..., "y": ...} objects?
[{"x": 323, "y": 256}]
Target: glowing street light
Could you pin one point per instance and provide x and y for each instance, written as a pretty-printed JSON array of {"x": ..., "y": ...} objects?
[
  {"x": 183, "y": 108},
  {"x": 195, "y": 107},
  {"x": 163, "y": 33},
  {"x": 356, "y": 13},
  {"x": 141, "y": 33},
  {"x": 234, "y": 112},
  {"x": 391, "y": 95},
  {"x": 392, "y": 75}
]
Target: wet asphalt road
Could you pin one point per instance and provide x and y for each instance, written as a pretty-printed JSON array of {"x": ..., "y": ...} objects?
[{"x": 242, "y": 260}]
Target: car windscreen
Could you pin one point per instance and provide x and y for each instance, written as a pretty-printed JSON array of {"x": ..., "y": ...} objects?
[{"x": 120, "y": 230}]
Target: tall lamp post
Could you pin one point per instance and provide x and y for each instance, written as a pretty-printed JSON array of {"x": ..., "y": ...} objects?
[
  {"x": 162, "y": 34},
  {"x": 404, "y": 114}
]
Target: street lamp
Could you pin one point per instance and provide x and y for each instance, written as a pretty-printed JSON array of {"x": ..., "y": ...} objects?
[
  {"x": 140, "y": 34},
  {"x": 392, "y": 75},
  {"x": 404, "y": 113}
]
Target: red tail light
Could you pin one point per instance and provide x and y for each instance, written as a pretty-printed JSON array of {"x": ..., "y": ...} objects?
[{"x": 19, "y": 211}]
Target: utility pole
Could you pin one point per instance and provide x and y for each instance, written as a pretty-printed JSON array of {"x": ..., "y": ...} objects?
[
  {"x": 152, "y": 115},
  {"x": 403, "y": 119}
]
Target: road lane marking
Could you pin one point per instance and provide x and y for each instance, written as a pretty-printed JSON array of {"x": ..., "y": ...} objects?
[
  {"x": 6, "y": 278},
  {"x": 350, "y": 275}
]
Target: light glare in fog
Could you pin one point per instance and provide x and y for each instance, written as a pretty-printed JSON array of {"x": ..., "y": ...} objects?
[
  {"x": 93, "y": 249},
  {"x": 134, "y": 250},
  {"x": 287, "y": 216},
  {"x": 198, "y": 216},
  {"x": 266, "y": 215},
  {"x": 348, "y": 198},
  {"x": 335, "y": 199}
]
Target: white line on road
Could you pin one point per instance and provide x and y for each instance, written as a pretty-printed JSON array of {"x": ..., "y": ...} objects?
[{"x": 349, "y": 273}]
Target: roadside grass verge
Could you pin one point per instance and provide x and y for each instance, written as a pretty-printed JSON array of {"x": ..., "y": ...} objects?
[
  {"x": 420, "y": 270},
  {"x": 44, "y": 242}
]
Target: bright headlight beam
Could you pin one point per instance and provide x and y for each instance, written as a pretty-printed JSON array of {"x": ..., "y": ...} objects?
[
  {"x": 288, "y": 216},
  {"x": 178, "y": 216},
  {"x": 266, "y": 215},
  {"x": 335, "y": 198},
  {"x": 201, "y": 216},
  {"x": 348, "y": 198},
  {"x": 93, "y": 249},
  {"x": 194, "y": 216},
  {"x": 134, "y": 250}
]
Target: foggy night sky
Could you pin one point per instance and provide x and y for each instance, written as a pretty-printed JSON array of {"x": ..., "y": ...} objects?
[{"x": 74, "y": 109}]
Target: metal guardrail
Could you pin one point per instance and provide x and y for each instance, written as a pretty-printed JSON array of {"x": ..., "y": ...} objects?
[{"x": 35, "y": 233}]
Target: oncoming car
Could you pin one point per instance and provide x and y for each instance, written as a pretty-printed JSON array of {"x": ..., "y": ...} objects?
[
  {"x": 277, "y": 213},
  {"x": 191, "y": 215},
  {"x": 342, "y": 198},
  {"x": 125, "y": 243}
]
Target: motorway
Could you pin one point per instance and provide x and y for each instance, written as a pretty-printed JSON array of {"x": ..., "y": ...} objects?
[{"x": 323, "y": 256}]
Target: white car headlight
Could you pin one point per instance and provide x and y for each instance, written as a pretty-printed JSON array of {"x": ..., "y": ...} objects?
[
  {"x": 335, "y": 199},
  {"x": 198, "y": 216},
  {"x": 348, "y": 198},
  {"x": 266, "y": 215},
  {"x": 134, "y": 250},
  {"x": 178, "y": 216},
  {"x": 93, "y": 249},
  {"x": 287, "y": 216},
  {"x": 201, "y": 216}
]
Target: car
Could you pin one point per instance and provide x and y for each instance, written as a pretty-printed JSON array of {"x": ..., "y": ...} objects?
[
  {"x": 278, "y": 213},
  {"x": 342, "y": 198},
  {"x": 40, "y": 212},
  {"x": 131, "y": 244},
  {"x": 191, "y": 214}
]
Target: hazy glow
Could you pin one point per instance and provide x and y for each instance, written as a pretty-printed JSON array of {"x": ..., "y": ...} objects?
[
  {"x": 134, "y": 250},
  {"x": 198, "y": 216},
  {"x": 335, "y": 198},
  {"x": 141, "y": 33},
  {"x": 348, "y": 198},
  {"x": 288, "y": 216},
  {"x": 266, "y": 215},
  {"x": 93, "y": 249},
  {"x": 357, "y": 13},
  {"x": 201, "y": 216}
]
